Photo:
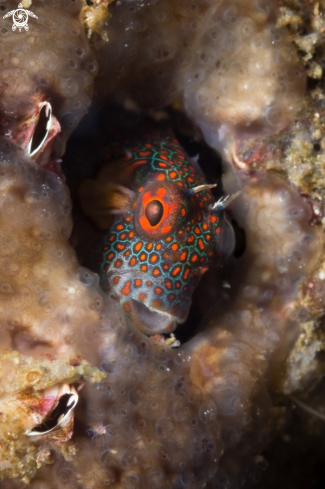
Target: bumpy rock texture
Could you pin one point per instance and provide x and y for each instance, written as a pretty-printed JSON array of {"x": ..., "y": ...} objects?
[
  {"x": 52, "y": 61},
  {"x": 234, "y": 67}
]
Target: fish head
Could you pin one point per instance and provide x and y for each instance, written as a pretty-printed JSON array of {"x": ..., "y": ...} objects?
[{"x": 160, "y": 246}]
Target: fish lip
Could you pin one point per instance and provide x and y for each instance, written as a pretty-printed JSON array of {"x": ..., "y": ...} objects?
[
  {"x": 152, "y": 320},
  {"x": 143, "y": 312}
]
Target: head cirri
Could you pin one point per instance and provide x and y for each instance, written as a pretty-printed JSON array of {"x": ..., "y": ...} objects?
[{"x": 165, "y": 232}]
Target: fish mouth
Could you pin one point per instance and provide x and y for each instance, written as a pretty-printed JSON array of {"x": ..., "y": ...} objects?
[{"x": 151, "y": 321}]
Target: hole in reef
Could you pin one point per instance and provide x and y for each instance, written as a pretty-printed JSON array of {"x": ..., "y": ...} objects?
[
  {"x": 52, "y": 420},
  {"x": 317, "y": 147},
  {"x": 40, "y": 130},
  {"x": 240, "y": 239}
]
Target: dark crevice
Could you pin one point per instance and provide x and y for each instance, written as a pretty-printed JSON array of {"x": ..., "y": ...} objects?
[
  {"x": 240, "y": 240},
  {"x": 40, "y": 130}
]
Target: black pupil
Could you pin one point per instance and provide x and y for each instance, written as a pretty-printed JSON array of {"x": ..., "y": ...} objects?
[{"x": 154, "y": 212}]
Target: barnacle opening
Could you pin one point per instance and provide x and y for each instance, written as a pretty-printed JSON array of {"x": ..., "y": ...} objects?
[{"x": 59, "y": 416}]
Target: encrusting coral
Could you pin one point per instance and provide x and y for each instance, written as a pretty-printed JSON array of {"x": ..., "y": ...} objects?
[
  {"x": 234, "y": 67},
  {"x": 146, "y": 415}
]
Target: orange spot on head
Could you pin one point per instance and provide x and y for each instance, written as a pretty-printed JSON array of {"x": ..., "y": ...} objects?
[
  {"x": 166, "y": 229},
  {"x": 158, "y": 247},
  {"x": 204, "y": 226},
  {"x": 128, "y": 219},
  {"x": 168, "y": 284},
  {"x": 161, "y": 192},
  {"x": 176, "y": 271},
  {"x": 194, "y": 258},
  {"x": 115, "y": 280},
  {"x": 120, "y": 246},
  {"x": 197, "y": 230},
  {"x": 173, "y": 174},
  {"x": 127, "y": 253},
  {"x": 105, "y": 248},
  {"x": 153, "y": 258},
  {"x": 111, "y": 256},
  {"x": 149, "y": 283},
  {"x": 201, "y": 244},
  {"x": 183, "y": 256},
  {"x": 144, "y": 153},
  {"x": 157, "y": 303},
  {"x": 168, "y": 239},
  {"x": 143, "y": 257},
  {"x": 218, "y": 230},
  {"x": 131, "y": 234},
  {"x": 175, "y": 247},
  {"x": 138, "y": 246},
  {"x": 133, "y": 262},
  {"x": 158, "y": 290},
  {"x": 156, "y": 272},
  {"x": 171, "y": 297},
  {"x": 142, "y": 297},
  {"x": 208, "y": 237},
  {"x": 119, "y": 227},
  {"x": 123, "y": 236},
  {"x": 144, "y": 268},
  {"x": 127, "y": 307},
  {"x": 213, "y": 218},
  {"x": 183, "y": 212},
  {"x": 126, "y": 288},
  {"x": 112, "y": 238},
  {"x": 186, "y": 273},
  {"x": 118, "y": 264},
  {"x": 149, "y": 246},
  {"x": 190, "y": 239},
  {"x": 162, "y": 165},
  {"x": 140, "y": 189},
  {"x": 161, "y": 177}
]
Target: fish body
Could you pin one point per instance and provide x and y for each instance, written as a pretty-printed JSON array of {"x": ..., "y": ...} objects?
[{"x": 164, "y": 237}]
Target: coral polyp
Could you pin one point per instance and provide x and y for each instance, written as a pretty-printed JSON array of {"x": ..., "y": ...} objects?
[{"x": 101, "y": 254}]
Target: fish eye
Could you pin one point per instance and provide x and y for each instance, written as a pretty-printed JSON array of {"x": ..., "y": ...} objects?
[
  {"x": 154, "y": 212},
  {"x": 159, "y": 208}
]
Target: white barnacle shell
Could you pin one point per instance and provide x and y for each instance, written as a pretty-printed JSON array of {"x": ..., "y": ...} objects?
[{"x": 59, "y": 421}]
